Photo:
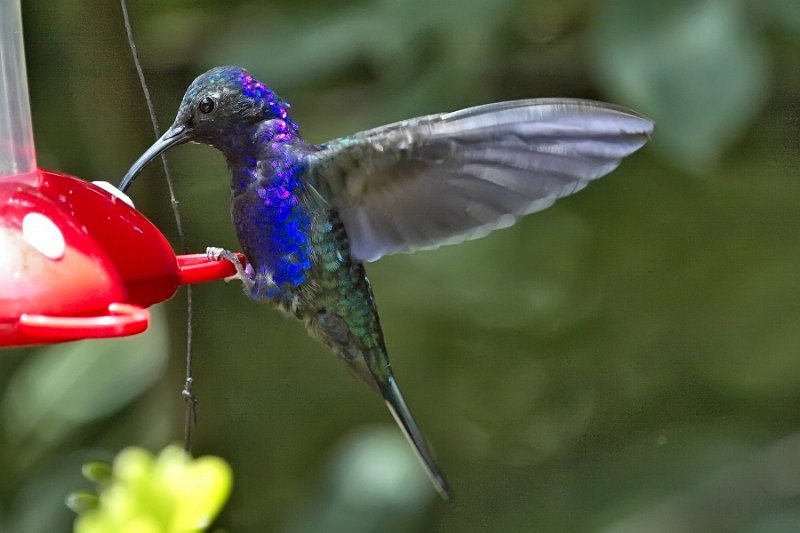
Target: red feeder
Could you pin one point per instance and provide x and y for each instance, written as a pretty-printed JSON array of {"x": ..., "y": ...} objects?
[{"x": 76, "y": 261}]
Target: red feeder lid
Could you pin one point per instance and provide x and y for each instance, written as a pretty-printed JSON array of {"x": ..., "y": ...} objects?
[
  {"x": 80, "y": 262},
  {"x": 138, "y": 251},
  {"x": 50, "y": 269}
]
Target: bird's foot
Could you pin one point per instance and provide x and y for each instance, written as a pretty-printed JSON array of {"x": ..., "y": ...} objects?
[{"x": 221, "y": 254}]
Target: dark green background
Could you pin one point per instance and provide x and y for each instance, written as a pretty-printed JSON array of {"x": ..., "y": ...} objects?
[{"x": 627, "y": 360}]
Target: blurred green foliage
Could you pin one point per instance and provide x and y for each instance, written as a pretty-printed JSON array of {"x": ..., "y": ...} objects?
[
  {"x": 624, "y": 361},
  {"x": 140, "y": 493}
]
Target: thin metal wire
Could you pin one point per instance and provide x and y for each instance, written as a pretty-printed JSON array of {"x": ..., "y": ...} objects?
[{"x": 190, "y": 415}]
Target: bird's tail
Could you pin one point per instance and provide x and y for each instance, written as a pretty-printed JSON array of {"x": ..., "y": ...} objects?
[{"x": 402, "y": 414}]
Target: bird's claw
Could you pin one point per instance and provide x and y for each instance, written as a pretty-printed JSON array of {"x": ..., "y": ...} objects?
[{"x": 214, "y": 253}]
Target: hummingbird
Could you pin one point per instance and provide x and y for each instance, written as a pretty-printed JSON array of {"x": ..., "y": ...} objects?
[{"x": 308, "y": 216}]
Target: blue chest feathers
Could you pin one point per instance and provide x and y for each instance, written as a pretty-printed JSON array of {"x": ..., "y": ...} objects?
[{"x": 274, "y": 223}]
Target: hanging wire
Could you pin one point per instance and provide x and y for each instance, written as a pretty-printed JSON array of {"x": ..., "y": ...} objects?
[{"x": 190, "y": 415}]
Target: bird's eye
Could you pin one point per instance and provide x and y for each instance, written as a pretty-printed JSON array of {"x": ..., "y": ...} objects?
[{"x": 206, "y": 105}]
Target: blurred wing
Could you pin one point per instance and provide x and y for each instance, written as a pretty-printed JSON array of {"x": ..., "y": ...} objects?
[{"x": 445, "y": 178}]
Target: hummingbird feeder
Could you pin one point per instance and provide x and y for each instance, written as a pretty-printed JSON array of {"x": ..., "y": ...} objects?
[{"x": 76, "y": 260}]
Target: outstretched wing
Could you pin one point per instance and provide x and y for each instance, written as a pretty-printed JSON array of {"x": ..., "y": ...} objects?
[{"x": 445, "y": 178}]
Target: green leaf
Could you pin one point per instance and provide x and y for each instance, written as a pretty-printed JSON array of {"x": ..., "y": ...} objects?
[
  {"x": 694, "y": 66},
  {"x": 81, "y": 501},
  {"x": 98, "y": 472}
]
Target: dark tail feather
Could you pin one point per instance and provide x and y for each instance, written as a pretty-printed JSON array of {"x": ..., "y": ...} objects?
[{"x": 399, "y": 409}]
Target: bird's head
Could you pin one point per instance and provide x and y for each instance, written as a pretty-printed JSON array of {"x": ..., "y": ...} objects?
[{"x": 218, "y": 105}]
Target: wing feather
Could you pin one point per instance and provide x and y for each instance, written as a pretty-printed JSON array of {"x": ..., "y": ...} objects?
[{"x": 444, "y": 178}]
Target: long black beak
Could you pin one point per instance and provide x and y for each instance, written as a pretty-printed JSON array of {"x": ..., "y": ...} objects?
[{"x": 174, "y": 135}]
